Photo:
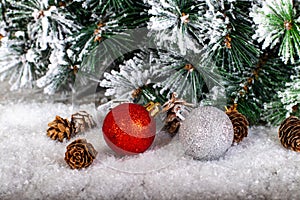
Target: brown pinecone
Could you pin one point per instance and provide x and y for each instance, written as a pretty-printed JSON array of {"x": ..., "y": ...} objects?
[
  {"x": 240, "y": 125},
  {"x": 59, "y": 129},
  {"x": 172, "y": 123},
  {"x": 82, "y": 121},
  {"x": 80, "y": 154},
  {"x": 175, "y": 109},
  {"x": 289, "y": 133}
]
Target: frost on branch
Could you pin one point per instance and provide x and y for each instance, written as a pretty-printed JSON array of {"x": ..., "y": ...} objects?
[
  {"x": 47, "y": 24},
  {"x": 276, "y": 24},
  {"x": 56, "y": 73},
  {"x": 180, "y": 77},
  {"x": 227, "y": 32},
  {"x": 166, "y": 71},
  {"x": 133, "y": 74},
  {"x": 175, "y": 25},
  {"x": 45, "y": 32},
  {"x": 103, "y": 26},
  {"x": 286, "y": 101},
  {"x": 21, "y": 67},
  {"x": 290, "y": 96}
]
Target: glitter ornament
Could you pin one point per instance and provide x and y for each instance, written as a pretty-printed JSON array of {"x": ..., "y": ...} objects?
[
  {"x": 129, "y": 129},
  {"x": 207, "y": 133}
]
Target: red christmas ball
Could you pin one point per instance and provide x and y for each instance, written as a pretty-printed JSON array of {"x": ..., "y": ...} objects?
[{"x": 129, "y": 129}]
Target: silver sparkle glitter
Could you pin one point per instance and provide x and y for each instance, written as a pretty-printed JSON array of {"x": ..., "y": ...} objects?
[{"x": 207, "y": 133}]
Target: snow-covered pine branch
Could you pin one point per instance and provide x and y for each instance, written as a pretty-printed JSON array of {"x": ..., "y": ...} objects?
[
  {"x": 45, "y": 31},
  {"x": 166, "y": 71},
  {"x": 19, "y": 63},
  {"x": 133, "y": 74},
  {"x": 227, "y": 30},
  {"x": 176, "y": 24},
  {"x": 276, "y": 23}
]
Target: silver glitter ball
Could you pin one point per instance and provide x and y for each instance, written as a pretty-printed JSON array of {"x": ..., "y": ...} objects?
[{"x": 206, "y": 134}]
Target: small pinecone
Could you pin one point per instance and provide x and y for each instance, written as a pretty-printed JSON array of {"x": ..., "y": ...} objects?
[
  {"x": 59, "y": 129},
  {"x": 240, "y": 125},
  {"x": 82, "y": 122},
  {"x": 80, "y": 154},
  {"x": 172, "y": 123},
  {"x": 289, "y": 133}
]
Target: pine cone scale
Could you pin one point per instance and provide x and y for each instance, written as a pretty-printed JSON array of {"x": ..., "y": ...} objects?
[
  {"x": 91, "y": 150},
  {"x": 61, "y": 127},
  {"x": 52, "y": 123}
]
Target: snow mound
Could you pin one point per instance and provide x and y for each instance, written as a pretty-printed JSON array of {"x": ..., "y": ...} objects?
[{"x": 32, "y": 166}]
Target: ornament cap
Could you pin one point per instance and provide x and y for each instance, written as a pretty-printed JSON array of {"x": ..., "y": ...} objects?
[{"x": 153, "y": 108}]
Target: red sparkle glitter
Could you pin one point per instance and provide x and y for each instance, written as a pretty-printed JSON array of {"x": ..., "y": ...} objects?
[{"x": 129, "y": 129}]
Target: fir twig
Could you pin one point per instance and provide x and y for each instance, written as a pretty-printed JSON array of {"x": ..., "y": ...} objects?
[
  {"x": 230, "y": 45},
  {"x": 261, "y": 86},
  {"x": 277, "y": 23}
]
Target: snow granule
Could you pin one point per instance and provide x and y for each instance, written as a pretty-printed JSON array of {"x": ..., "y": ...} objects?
[{"x": 32, "y": 165}]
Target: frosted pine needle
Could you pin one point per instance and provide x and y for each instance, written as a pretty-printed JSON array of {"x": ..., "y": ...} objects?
[
  {"x": 18, "y": 66},
  {"x": 132, "y": 74},
  {"x": 176, "y": 24},
  {"x": 47, "y": 24},
  {"x": 167, "y": 71},
  {"x": 277, "y": 24}
]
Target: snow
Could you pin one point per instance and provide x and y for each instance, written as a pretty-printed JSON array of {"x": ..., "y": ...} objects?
[{"x": 33, "y": 166}]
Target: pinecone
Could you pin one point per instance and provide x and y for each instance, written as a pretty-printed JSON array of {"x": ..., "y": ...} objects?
[
  {"x": 80, "y": 154},
  {"x": 240, "y": 124},
  {"x": 289, "y": 133},
  {"x": 59, "y": 129},
  {"x": 175, "y": 109},
  {"x": 172, "y": 123},
  {"x": 82, "y": 121}
]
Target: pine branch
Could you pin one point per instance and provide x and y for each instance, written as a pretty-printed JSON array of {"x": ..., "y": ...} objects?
[
  {"x": 287, "y": 101},
  {"x": 176, "y": 24},
  {"x": 58, "y": 78},
  {"x": 229, "y": 40},
  {"x": 44, "y": 29},
  {"x": 103, "y": 5},
  {"x": 160, "y": 72},
  {"x": 278, "y": 22},
  {"x": 3, "y": 11},
  {"x": 103, "y": 25},
  {"x": 136, "y": 15},
  {"x": 21, "y": 64},
  {"x": 261, "y": 86}
]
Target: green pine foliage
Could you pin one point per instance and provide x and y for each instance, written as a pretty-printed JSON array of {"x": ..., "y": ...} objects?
[
  {"x": 261, "y": 87},
  {"x": 286, "y": 101},
  {"x": 278, "y": 23},
  {"x": 177, "y": 24},
  {"x": 232, "y": 49},
  {"x": 2, "y": 10},
  {"x": 106, "y": 20},
  {"x": 159, "y": 71},
  {"x": 249, "y": 49}
]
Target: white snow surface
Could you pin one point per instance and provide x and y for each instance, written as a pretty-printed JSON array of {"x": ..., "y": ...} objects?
[{"x": 32, "y": 165}]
